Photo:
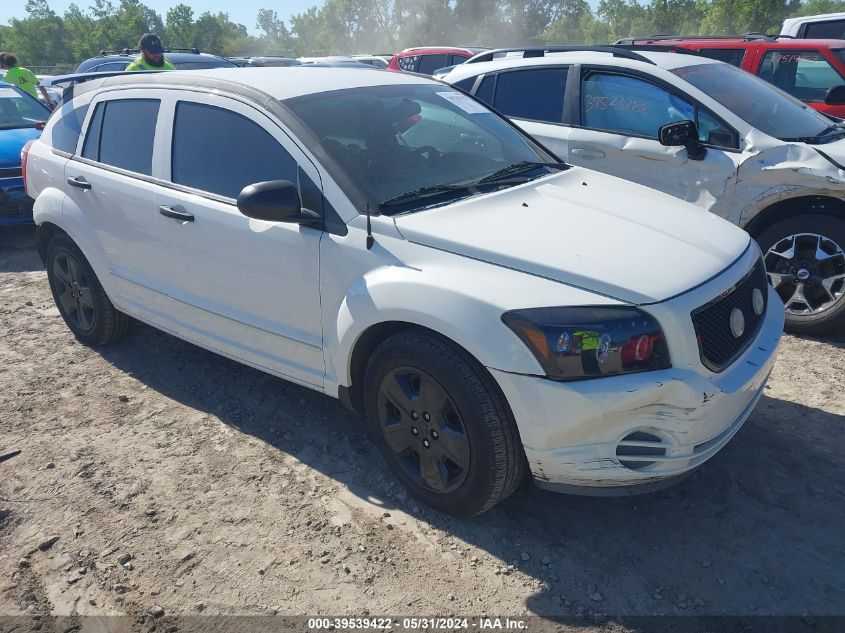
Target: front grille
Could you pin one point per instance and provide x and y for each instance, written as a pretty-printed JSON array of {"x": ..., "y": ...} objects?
[
  {"x": 718, "y": 342},
  {"x": 10, "y": 172}
]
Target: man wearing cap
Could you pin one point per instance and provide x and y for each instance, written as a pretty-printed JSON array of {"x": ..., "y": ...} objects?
[
  {"x": 152, "y": 55},
  {"x": 18, "y": 75}
]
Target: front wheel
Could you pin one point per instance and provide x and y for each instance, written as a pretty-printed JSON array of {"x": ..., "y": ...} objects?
[
  {"x": 441, "y": 424},
  {"x": 805, "y": 262}
]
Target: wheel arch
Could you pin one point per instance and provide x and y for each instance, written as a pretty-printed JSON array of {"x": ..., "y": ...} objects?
[
  {"x": 44, "y": 232},
  {"x": 820, "y": 204}
]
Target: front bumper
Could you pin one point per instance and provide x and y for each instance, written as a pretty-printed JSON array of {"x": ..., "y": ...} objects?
[{"x": 634, "y": 433}]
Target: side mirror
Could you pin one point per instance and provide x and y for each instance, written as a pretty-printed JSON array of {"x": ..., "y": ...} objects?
[
  {"x": 682, "y": 133},
  {"x": 275, "y": 201},
  {"x": 835, "y": 96}
]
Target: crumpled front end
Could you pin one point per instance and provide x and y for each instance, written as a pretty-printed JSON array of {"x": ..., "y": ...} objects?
[{"x": 635, "y": 433}]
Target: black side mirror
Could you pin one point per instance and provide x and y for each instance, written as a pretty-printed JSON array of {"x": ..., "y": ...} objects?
[
  {"x": 835, "y": 96},
  {"x": 275, "y": 201},
  {"x": 682, "y": 133}
]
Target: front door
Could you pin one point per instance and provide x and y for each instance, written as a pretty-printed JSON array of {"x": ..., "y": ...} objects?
[
  {"x": 619, "y": 117},
  {"x": 246, "y": 288}
]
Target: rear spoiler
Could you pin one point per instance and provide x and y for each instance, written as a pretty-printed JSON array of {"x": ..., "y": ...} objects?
[{"x": 67, "y": 82}]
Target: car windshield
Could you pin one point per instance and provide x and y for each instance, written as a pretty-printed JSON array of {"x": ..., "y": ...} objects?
[
  {"x": 757, "y": 102},
  {"x": 405, "y": 147},
  {"x": 19, "y": 111}
]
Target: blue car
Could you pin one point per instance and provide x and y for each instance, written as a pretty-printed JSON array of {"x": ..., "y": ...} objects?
[{"x": 22, "y": 118}]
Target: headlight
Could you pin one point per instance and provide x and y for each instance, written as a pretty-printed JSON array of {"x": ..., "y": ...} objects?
[{"x": 581, "y": 343}]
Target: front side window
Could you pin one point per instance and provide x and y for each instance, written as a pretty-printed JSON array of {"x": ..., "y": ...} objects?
[
  {"x": 121, "y": 134},
  {"x": 204, "y": 155},
  {"x": 430, "y": 63},
  {"x": 755, "y": 101},
  {"x": 806, "y": 75},
  {"x": 535, "y": 94},
  {"x": 628, "y": 105},
  {"x": 457, "y": 59},
  {"x": 387, "y": 141}
]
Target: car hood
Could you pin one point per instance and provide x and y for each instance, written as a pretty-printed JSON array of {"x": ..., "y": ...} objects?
[
  {"x": 11, "y": 144},
  {"x": 589, "y": 230}
]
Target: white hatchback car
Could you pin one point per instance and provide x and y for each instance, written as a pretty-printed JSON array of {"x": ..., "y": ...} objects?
[
  {"x": 387, "y": 240},
  {"x": 747, "y": 151}
]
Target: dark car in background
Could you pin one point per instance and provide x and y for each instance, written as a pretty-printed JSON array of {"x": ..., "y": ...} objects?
[
  {"x": 22, "y": 117},
  {"x": 181, "y": 58}
]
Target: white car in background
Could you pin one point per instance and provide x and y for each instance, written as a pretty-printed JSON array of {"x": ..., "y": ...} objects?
[
  {"x": 700, "y": 130},
  {"x": 389, "y": 241},
  {"x": 826, "y": 26}
]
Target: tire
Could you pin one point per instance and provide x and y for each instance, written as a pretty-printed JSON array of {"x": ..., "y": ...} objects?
[
  {"x": 80, "y": 297},
  {"x": 472, "y": 438},
  {"x": 815, "y": 317}
]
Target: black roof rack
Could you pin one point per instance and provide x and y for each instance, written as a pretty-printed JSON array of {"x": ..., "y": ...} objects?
[
  {"x": 540, "y": 51},
  {"x": 748, "y": 37},
  {"x": 661, "y": 48}
]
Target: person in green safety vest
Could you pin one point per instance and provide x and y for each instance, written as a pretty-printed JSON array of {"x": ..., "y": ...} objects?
[
  {"x": 24, "y": 78},
  {"x": 152, "y": 55}
]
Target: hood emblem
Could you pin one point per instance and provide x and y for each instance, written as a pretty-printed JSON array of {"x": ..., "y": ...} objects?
[{"x": 737, "y": 322}]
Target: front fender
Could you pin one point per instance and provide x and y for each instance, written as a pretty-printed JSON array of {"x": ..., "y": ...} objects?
[{"x": 460, "y": 298}]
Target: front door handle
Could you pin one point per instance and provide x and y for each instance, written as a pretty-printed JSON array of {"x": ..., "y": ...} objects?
[
  {"x": 78, "y": 182},
  {"x": 176, "y": 214},
  {"x": 588, "y": 153}
]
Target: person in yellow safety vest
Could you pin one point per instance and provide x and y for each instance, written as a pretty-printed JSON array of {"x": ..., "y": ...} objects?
[
  {"x": 152, "y": 55},
  {"x": 17, "y": 75},
  {"x": 587, "y": 342}
]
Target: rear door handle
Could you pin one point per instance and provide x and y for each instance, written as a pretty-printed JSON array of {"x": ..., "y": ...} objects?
[
  {"x": 176, "y": 214},
  {"x": 78, "y": 182},
  {"x": 588, "y": 153}
]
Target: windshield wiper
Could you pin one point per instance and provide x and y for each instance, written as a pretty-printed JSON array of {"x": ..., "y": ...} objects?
[
  {"x": 425, "y": 192},
  {"x": 516, "y": 168}
]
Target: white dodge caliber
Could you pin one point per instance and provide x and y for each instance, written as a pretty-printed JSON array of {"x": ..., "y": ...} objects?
[{"x": 391, "y": 242}]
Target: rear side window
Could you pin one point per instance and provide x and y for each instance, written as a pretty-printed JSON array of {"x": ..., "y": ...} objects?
[
  {"x": 121, "y": 134},
  {"x": 109, "y": 67},
  {"x": 832, "y": 29},
  {"x": 806, "y": 75},
  {"x": 408, "y": 63},
  {"x": 430, "y": 63},
  {"x": 67, "y": 128},
  {"x": 535, "y": 94},
  {"x": 732, "y": 56},
  {"x": 204, "y": 137}
]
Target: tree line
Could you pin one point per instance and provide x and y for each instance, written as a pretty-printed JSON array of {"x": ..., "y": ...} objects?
[{"x": 46, "y": 39}]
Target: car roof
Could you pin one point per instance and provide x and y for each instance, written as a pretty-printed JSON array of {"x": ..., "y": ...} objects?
[
  {"x": 741, "y": 42},
  {"x": 276, "y": 82},
  {"x": 668, "y": 61},
  {"x": 176, "y": 58}
]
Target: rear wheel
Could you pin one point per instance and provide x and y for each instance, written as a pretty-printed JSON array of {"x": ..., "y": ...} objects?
[
  {"x": 805, "y": 262},
  {"x": 441, "y": 424},
  {"x": 81, "y": 300}
]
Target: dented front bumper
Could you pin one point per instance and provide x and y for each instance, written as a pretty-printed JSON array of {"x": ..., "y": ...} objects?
[{"x": 635, "y": 433}]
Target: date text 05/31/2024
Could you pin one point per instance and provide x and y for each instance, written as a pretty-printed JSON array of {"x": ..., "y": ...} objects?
[{"x": 414, "y": 624}]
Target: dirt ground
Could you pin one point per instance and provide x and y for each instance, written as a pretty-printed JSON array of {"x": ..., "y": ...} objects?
[{"x": 176, "y": 479}]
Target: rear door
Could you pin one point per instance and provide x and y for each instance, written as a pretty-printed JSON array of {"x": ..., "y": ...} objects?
[
  {"x": 246, "y": 288},
  {"x": 615, "y": 127},
  {"x": 110, "y": 180}
]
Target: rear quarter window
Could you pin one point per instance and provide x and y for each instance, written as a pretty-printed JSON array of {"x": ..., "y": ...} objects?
[{"x": 67, "y": 129}]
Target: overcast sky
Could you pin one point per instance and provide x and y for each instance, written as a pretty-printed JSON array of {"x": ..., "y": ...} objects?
[{"x": 242, "y": 11}]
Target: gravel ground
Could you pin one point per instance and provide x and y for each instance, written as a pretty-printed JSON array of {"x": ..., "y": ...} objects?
[{"x": 175, "y": 479}]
